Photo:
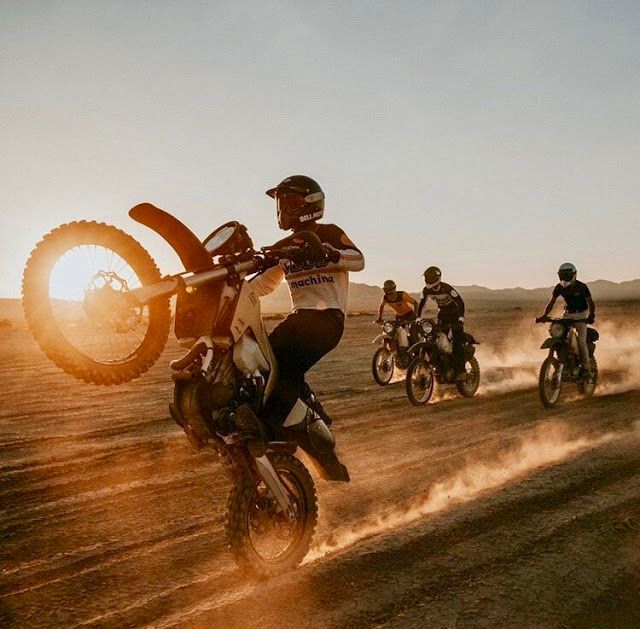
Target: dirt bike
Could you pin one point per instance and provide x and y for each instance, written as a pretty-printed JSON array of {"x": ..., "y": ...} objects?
[
  {"x": 563, "y": 362},
  {"x": 99, "y": 309},
  {"x": 433, "y": 362},
  {"x": 393, "y": 352}
]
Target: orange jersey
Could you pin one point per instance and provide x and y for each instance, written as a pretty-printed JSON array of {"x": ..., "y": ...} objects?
[{"x": 403, "y": 303}]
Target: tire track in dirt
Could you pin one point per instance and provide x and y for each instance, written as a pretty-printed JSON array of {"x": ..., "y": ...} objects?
[{"x": 107, "y": 512}]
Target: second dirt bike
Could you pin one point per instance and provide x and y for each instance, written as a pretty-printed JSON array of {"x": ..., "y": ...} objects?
[
  {"x": 563, "y": 361},
  {"x": 433, "y": 362},
  {"x": 97, "y": 306},
  {"x": 393, "y": 351}
]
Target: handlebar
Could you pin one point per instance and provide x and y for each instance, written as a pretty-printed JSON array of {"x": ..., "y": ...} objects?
[
  {"x": 566, "y": 320},
  {"x": 267, "y": 256}
]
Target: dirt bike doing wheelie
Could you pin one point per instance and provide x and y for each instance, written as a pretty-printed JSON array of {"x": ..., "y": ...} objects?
[
  {"x": 96, "y": 304},
  {"x": 433, "y": 362},
  {"x": 394, "y": 351},
  {"x": 563, "y": 362}
]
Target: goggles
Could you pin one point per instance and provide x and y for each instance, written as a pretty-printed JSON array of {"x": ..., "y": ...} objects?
[
  {"x": 289, "y": 201},
  {"x": 566, "y": 275}
]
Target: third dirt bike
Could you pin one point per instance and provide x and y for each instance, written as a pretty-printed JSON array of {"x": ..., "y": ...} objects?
[
  {"x": 98, "y": 307},
  {"x": 433, "y": 362}
]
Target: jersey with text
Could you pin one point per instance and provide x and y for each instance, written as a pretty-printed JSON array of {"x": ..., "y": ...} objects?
[
  {"x": 316, "y": 285},
  {"x": 447, "y": 298}
]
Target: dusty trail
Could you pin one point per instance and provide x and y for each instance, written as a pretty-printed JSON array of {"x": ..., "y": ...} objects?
[{"x": 478, "y": 512}]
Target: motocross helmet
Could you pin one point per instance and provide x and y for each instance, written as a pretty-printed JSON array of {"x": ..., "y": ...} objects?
[
  {"x": 567, "y": 272},
  {"x": 299, "y": 200},
  {"x": 389, "y": 287},
  {"x": 432, "y": 276}
]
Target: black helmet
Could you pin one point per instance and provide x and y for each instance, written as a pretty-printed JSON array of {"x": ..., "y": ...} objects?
[
  {"x": 567, "y": 272},
  {"x": 432, "y": 276},
  {"x": 299, "y": 200},
  {"x": 389, "y": 287}
]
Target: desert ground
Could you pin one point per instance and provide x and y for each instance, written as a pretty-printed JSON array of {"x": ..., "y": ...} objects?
[{"x": 483, "y": 512}]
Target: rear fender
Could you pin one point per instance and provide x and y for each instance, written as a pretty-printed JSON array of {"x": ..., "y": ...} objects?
[{"x": 183, "y": 241}]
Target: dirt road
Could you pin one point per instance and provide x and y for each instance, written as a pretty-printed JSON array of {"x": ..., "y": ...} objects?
[{"x": 464, "y": 513}]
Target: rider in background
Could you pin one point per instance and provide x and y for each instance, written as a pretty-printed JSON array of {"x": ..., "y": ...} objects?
[
  {"x": 450, "y": 313},
  {"x": 398, "y": 300},
  {"x": 405, "y": 307},
  {"x": 578, "y": 305},
  {"x": 319, "y": 293}
]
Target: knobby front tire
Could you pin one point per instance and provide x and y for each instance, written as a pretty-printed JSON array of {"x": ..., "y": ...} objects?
[{"x": 83, "y": 239}]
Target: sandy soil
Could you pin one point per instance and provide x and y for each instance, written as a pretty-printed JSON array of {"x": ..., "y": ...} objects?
[{"x": 464, "y": 513}]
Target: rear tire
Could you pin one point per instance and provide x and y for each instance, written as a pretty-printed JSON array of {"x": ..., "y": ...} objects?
[
  {"x": 382, "y": 365},
  {"x": 469, "y": 387},
  {"x": 549, "y": 386},
  {"x": 419, "y": 381},
  {"x": 37, "y": 301},
  {"x": 246, "y": 514}
]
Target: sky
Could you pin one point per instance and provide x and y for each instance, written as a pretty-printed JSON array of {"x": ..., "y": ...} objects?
[{"x": 495, "y": 139}]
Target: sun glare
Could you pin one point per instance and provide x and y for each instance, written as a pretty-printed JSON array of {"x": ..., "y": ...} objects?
[{"x": 89, "y": 267}]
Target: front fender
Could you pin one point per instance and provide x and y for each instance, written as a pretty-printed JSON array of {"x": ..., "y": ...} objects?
[
  {"x": 183, "y": 241},
  {"x": 379, "y": 337},
  {"x": 551, "y": 342},
  {"x": 417, "y": 347}
]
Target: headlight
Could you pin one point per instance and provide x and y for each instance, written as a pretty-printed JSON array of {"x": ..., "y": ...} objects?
[
  {"x": 427, "y": 327},
  {"x": 556, "y": 330},
  {"x": 388, "y": 327}
]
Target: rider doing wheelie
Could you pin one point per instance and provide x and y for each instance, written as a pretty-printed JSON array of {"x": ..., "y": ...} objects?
[
  {"x": 450, "y": 312},
  {"x": 319, "y": 292}
]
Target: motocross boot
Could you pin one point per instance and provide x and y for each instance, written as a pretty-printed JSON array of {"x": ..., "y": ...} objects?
[
  {"x": 308, "y": 430},
  {"x": 252, "y": 429},
  {"x": 310, "y": 398}
]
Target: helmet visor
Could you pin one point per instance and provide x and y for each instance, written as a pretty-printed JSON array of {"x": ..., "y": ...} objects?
[{"x": 566, "y": 275}]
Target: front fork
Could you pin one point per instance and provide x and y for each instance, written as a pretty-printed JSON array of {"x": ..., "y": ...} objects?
[
  {"x": 268, "y": 474},
  {"x": 560, "y": 359}
]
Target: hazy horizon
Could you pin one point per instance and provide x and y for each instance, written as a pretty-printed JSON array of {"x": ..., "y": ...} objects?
[{"x": 495, "y": 140}]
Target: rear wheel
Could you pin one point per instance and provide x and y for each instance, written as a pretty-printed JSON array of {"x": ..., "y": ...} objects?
[
  {"x": 549, "y": 381},
  {"x": 587, "y": 387},
  {"x": 382, "y": 366},
  {"x": 470, "y": 384},
  {"x": 262, "y": 539},
  {"x": 419, "y": 381},
  {"x": 76, "y": 295}
]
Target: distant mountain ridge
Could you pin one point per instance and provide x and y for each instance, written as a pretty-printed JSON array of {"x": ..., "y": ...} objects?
[{"x": 366, "y": 298}]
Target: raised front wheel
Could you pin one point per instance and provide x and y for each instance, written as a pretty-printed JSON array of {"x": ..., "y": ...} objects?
[{"x": 76, "y": 295}]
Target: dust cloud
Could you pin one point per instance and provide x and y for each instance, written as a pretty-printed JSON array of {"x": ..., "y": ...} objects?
[
  {"x": 618, "y": 356},
  {"x": 546, "y": 445},
  {"x": 515, "y": 363}
]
